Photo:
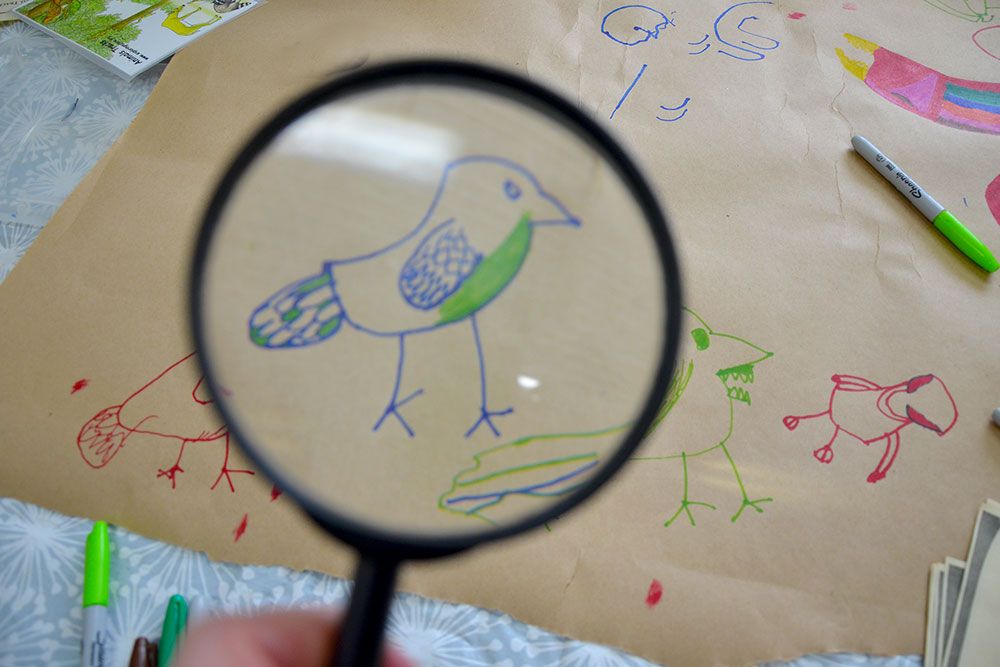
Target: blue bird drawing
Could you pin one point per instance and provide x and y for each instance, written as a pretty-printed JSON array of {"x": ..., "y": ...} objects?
[{"x": 468, "y": 247}]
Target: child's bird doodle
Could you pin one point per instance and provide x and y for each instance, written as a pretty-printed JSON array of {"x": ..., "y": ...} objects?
[
  {"x": 710, "y": 385},
  {"x": 869, "y": 413},
  {"x": 530, "y": 471},
  {"x": 467, "y": 248},
  {"x": 187, "y": 421}
]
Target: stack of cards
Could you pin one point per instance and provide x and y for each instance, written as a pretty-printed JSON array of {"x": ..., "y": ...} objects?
[{"x": 963, "y": 602}]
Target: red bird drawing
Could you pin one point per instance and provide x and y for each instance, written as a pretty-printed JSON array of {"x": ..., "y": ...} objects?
[
  {"x": 870, "y": 413},
  {"x": 154, "y": 410}
]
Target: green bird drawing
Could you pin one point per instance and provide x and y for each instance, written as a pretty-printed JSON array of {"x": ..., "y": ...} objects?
[{"x": 710, "y": 386}]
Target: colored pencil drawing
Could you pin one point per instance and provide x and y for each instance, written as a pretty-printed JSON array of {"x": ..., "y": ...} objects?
[
  {"x": 993, "y": 198},
  {"x": 961, "y": 103},
  {"x": 447, "y": 276},
  {"x": 976, "y": 11},
  {"x": 872, "y": 413},
  {"x": 633, "y": 25},
  {"x": 531, "y": 471},
  {"x": 711, "y": 384},
  {"x": 191, "y": 419}
]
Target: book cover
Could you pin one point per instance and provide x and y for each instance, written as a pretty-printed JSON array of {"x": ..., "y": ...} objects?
[{"x": 130, "y": 36}]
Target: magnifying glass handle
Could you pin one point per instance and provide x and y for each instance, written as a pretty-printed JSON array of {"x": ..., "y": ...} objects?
[{"x": 360, "y": 643}]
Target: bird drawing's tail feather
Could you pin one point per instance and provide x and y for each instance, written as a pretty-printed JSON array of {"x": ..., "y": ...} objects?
[
  {"x": 101, "y": 437},
  {"x": 303, "y": 313}
]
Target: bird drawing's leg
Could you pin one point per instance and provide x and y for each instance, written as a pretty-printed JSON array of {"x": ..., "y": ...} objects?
[
  {"x": 791, "y": 422},
  {"x": 395, "y": 402},
  {"x": 891, "y": 449},
  {"x": 226, "y": 469},
  {"x": 685, "y": 505},
  {"x": 485, "y": 414},
  {"x": 746, "y": 500},
  {"x": 171, "y": 472},
  {"x": 825, "y": 453}
]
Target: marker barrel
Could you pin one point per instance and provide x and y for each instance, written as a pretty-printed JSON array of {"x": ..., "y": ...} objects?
[
  {"x": 96, "y": 648},
  {"x": 889, "y": 170}
]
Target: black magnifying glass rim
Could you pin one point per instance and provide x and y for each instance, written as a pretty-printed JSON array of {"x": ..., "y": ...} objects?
[{"x": 397, "y": 546}]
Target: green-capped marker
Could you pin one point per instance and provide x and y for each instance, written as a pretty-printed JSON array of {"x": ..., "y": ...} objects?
[
  {"x": 96, "y": 575},
  {"x": 965, "y": 241},
  {"x": 97, "y": 566},
  {"x": 173, "y": 627},
  {"x": 943, "y": 220}
]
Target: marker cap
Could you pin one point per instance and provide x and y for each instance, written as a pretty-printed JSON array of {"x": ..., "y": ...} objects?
[
  {"x": 97, "y": 566},
  {"x": 966, "y": 241}
]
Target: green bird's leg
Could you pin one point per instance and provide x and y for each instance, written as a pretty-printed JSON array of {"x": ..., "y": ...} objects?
[
  {"x": 746, "y": 500},
  {"x": 685, "y": 505}
]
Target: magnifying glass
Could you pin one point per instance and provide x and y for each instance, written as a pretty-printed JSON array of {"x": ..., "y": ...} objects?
[{"x": 438, "y": 306}]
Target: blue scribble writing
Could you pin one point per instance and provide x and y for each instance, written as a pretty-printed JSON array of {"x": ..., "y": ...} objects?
[
  {"x": 704, "y": 48},
  {"x": 634, "y": 24},
  {"x": 630, "y": 25},
  {"x": 446, "y": 278},
  {"x": 750, "y": 51},
  {"x": 621, "y": 100},
  {"x": 682, "y": 107}
]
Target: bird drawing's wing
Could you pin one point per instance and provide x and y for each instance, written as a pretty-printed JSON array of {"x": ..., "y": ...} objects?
[
  {"x": 853, "y": 383},
  {"x": 303, "y": 313},
  {"x": 438, "y": 266}
]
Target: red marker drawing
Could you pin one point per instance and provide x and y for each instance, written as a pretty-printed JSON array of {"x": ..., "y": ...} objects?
[
  {"x": 870, "y": 413},
  {"x": 654, "y": 594},
  {"x": 241, "y": 528},
  {"x": 190, "y": 419}
]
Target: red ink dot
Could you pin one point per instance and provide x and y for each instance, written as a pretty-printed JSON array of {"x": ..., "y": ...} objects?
[
  {"x": 654, "y": 594},
  {"x": 850, "y": 6},
  {"x": 275, "y": 492},
  {"x": 795, "y": 16},
  {"x": 78, "y": 385},
  {"x": 240, "y": 528}
]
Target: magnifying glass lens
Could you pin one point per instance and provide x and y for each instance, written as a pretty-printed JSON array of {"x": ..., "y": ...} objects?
[{"x": 432, "y": 308}]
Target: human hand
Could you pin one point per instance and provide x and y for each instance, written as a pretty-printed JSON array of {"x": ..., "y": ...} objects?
[{"x": 293, "y": 638}]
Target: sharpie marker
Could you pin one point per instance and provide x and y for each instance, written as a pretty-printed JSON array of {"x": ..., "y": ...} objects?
[
  {"x": 943, "y": 220},
  {"x": 96, "y": 573},
  {"x": 174, "y": 623}
]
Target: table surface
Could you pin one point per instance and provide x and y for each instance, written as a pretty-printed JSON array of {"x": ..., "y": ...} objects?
[{"x": 58, "y": 115}]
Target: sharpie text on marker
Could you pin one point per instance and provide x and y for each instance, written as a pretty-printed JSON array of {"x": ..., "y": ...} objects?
[{"x": 943, "y": 220}]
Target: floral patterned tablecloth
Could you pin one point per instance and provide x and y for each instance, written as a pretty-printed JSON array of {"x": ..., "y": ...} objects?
[{"x": 58, "y": 115}]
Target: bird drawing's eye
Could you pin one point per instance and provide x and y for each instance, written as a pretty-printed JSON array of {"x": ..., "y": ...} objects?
[
  {"x": 510, "y": 188},
  {"x": 700, "y": 337}
]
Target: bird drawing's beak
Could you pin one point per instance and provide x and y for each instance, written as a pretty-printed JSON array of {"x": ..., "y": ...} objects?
[
  {"x": 552, "y": 213},
  {"x": 930, "y": 404},
  {"x": 737, "y": 359}
]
